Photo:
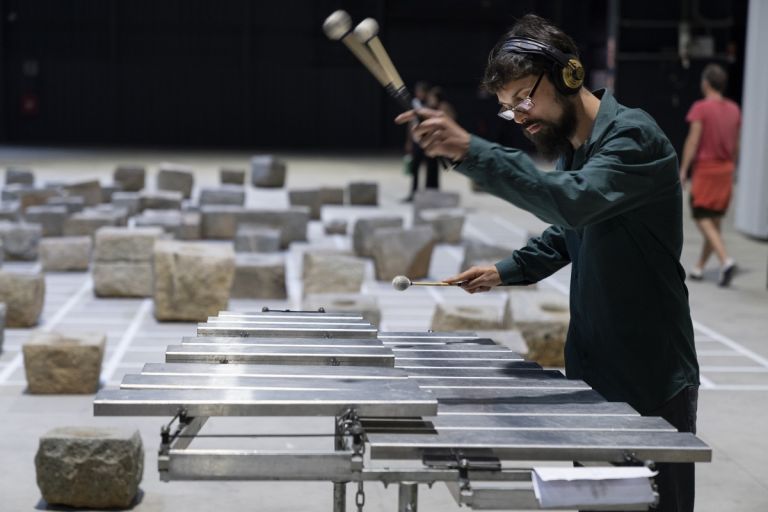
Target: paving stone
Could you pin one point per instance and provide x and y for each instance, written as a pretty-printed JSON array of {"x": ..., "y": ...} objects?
[
  {"x": 309, "y": 197},
  {"x": 542, "y": 317},
  {"x": 250, "y": 238},
  {"x": 68, "y": 253},
  {"x": 160, "y": 200},
  {"x": 225, "y": 194},
  {"x": 363, "y": 193},
  {"x": 332, "y": 272},
  {"x": 176, "y": 177},
  {"x": 447, "y": 223},
  {"x": 130, "y": 201},
  {"x": 90, "y": 220},
  {"x": 63, "y": 362},
  {"x": 89, "y": 467},
  {"x": 398, "y": 251},
  {"x": 430, "y": 199},
  {"x": 468, "y": 317},
  {"x": 362, "y": 234},
  {"x": 335, "y": 227},
  {"x": 50, "y": 217},
  {"x": 19, "y": 175},
  {"x": 182, "y": 225},
  {"x": 73, "y": 204},
  {"x": 123, "y": 279},
  {"x": 132, "y": 178},
  {"x": 192, "y": 279},
  {"x": 267, "y": 172},
  {"x": 126, "y": 244},
  {"x": 366, "y": 305},
  {"x": 89, "y": 190},
  {"x": 259, "y": 276},
  {"x": 20, "y": 240},
  {"x": 23, "y": 295},
  {"x": 332, "y": 195},
  {"x": 231, "y": 176}
]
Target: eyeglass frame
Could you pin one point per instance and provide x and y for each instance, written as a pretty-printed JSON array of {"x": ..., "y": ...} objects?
[{"x": 523, "y": 106}]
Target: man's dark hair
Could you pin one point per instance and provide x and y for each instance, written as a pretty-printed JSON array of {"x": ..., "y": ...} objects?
[
  {"x": 716, "y": 77},
  {"x": 505, "y": 66}
]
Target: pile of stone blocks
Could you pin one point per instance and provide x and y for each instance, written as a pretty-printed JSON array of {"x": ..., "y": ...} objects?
[
  {"x": 20, "y": 241},
  {"x": 63, "y": 362},
  {"x": 470, "y": 316},
  {"x": 23, "y": 295},
  {"x": 363, "y": 193},
  {"x": 365, "y": 227},
  {"x": 176, "y": 177},
  {"x": 192, "y": 279},
  {"x": 225, "y": 194},
  {"x": 267, "y": 172},
  {"x": 332, "y": 272},
  {"x": 181, "y": 225},
  {"x": 398, "y": 251},
  {"x": 447, "y": 223},
  {"x": 228, "y": 176},
  {"x": 259, "y": 276},
  {"x": 130, "y": 177},
  {"x": 89, "y": 467},
  {"x": 50, "y": 217},
  {"x": 255, "y": 238},
  {"x": 64, "y": 254},
  {"x": 542, "y": 317},
  {"x": 123, "y": 261},
  {"x": 366, "y": 305}
]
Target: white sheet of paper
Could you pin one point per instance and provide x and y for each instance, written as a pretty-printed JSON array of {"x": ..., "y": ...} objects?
[{"x": 577, "y": 486}]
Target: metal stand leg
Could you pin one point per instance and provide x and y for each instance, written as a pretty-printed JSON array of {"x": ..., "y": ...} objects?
[
  {"x": 408, "y": 497},
  {"x": 339, "y": 496}
]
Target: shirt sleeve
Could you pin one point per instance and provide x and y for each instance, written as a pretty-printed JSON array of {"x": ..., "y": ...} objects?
[
  {"x": 540, "y": 258},
  {"x": 696, "y": 113},
  {"x": 621, "y": 176}
]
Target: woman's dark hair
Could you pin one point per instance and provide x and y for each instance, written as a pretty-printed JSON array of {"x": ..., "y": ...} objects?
[
  {"x": 716, "y": 77},
  {"x": 504, "y": 66}
]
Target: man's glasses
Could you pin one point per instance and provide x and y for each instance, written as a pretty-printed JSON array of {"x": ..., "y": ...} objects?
[{"x": 525, "y": 106}]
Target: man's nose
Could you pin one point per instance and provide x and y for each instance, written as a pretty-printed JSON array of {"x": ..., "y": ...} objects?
[{"x": 520, "y": 118}]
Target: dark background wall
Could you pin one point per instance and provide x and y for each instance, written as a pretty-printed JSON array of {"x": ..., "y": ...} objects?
[{"x": 239, "y": 73}]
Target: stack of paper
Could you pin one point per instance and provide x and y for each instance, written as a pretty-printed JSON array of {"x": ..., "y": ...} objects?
[{"x": 578, "y": 487}]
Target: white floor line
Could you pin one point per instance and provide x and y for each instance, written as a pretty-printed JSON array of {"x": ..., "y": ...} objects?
[
  {"x": 511, "y": 227},
  {"x": 734, "y": 369},
  {"x": 125, "y": 341},
  {"x": 435, "y": 294},
  {"x": 17, "y": 361},
  {"x": 476, "y": 233},
  {"x": 731, "y": 344},
  {"x": 707, "y": 383}
]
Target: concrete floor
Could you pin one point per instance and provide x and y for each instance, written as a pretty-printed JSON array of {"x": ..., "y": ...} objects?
[{"x": 730, "y": 326}]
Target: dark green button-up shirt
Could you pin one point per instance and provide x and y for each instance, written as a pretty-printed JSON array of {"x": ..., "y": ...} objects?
[{"x": 616, "y": 215}]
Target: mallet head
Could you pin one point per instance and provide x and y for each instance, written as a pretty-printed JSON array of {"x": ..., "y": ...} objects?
[
  {"x": 401, "y": 283},
  {"x": 337, "y": 25},
  {"x": 366, "y": 30}
]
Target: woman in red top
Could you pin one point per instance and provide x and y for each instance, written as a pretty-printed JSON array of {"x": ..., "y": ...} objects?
[{"x": 711, "y": 149}]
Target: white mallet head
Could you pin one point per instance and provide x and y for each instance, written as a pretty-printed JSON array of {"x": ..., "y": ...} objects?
[
  {"x": 401, "y": 283},
  {"x": 366, "y": 30},
  {"x": 337, "y": 25}
]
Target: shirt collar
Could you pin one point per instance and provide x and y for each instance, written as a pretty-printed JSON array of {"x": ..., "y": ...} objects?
[{"x": 605, "y": 114}]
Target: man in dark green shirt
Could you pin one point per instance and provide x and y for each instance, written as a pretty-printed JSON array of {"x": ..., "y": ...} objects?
[{"x": 614, "y": 202}]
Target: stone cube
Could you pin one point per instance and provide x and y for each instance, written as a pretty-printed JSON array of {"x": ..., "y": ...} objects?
[
  {"x": 89, "y": 467},
  {"x": 219, "y": 222},
  {"x": 23, "y": 295},
  {"x": 225, "y": 194},
  {"x": 129, "y": 201},
  {"x": 160, "y": 200},
  {"x": 259, "y": 276},
  {"x": 231, "y": 176},
  {"x": 19, "y": 175},
  {"x": 430, "y": 199},
  {"x": 50, "y": 217},
  {"x": 447, "y": 223},
  {"x": 469, "y": 317},
  {"x": 366, "y": 305},
  {"x": 310, "y": 198},
  {"x": 192, "y": 279},
  {"x": 123, "y": 279},
  {"x": 332, "y": 195},
  {"x": 67, "y": 253},
  {"x": 87, "y": 222},
  {"x": 126, "y": 244},
  {"x": 254, "y": 238},
  {"x": 335, "y": 227},
  {"x": 478, "y": 253},
  {"x": 2, "y": 325},
  {"x": 292, "y": 222},
  {"x": 398, "y": 251},
  {"x": 363, "y": 193},
  {"x": 131, "y": 177},
  {"x": 89, "y": 190},
  {"x": 182, "y": 225},
  {"x": 332, "y": 272},
  {"x": 362, "y": 234},
  {"x": 542, "y": 317},
  {"x": 10, "y": 211},
  {"x": 109, "y": 190},
  {"x": 267, "y": 172},
  {"x": 27, "y": 196},
  {"x": 176, "y": 177},
  {"x": 63, "y": 362},
  {"x": 20, "y": 241},
  {"x": 73, "y": 204}
]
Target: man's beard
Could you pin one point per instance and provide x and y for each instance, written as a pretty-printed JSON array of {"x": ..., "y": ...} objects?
[{"x": 552, "y": 138}]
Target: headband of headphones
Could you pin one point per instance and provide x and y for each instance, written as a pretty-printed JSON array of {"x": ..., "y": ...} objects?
[{"x": 571, "y": 75}]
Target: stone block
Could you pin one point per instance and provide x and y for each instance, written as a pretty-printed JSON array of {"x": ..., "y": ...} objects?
[
  {"x": 225, "y": 194},
  {"x": 27, "y": 196},
  {"x": 182, "y": 225},
  {"x": 132, "y": 178},
  {"x": 160, "y": 200},
  {"x": 366, "y": 305},
  {"x": 219, "y": 222},
  {"x": 50, "y": 217},
  {"x": 309, "y": 197},
  {"x": 20, "y": 241},
  {"x": 2, "y": 325},
  {"x": 63, "y": 362},
  {"x": 542, "y": 317},
  {"x": 398, "y": 251},
  {"x": 447, "y": 223},
  {"x": 468, "y": 317},
  {"x": 109, "y": 190},
  {"x": 332, "y": 195},
  {"x": 267, "y": 172},
  {"x": 130, "y": 201},
  {"x": 73, "y": 204},
  {"x": 231, "y": 176},
  {"x": 10, "y": 211},
  {"x": 69, "y": 253},
  {"x": 332, "y": 272},
  {"x": 363, "y": 193},
  {"x": 259, "y": 276},
  {"x": 176, "y": 177},
  {"x": 123, "y": 279},
  {"x": 19, "y": 175},
  {"x": 478, "y": 253},
  {"x": 88, "y": 467},
  {"x": 362, "y": 234},
  {"x": 292, "y": 222},
  {"x": 89, "y": 190},
  {"x": 23, "y": 295},
  {"x": 430, "y": 199},
  {"x": 335, "y": 227},
  {"x": 192, "y": 279},
  {"x": 87, "y": 222},
  {"x": 250, "y": 238},
  {"x": 126, "y": 244}
]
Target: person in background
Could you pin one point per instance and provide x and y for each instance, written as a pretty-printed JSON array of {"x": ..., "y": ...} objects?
[
  {"x": 709, "y": 157},
  {"x": 420, "y": 99}
]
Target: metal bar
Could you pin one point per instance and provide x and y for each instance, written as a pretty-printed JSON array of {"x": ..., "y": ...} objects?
[
  {"x": 304, "y": 315},
  {"x": 523, "y": 370},
  {"x": 408, "y": 497},
  {"x": 275, "y": 371},
  {"x": 598, "y": 407},
  {"x": 322, "y": 387},
  {"x": 282, "y": 342},
  {"x": 429, "y": 382},
  {"x": 188, "y": 433},
  {"x": 457, "y": 335},
  {"x": 467, "y": 364},
  {"x": 333, "y": 356},
  {"x": 319, "y": 322},
  {"x": 281, "y": 331}
]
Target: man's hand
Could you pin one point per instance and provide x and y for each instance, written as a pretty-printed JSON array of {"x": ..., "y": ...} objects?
[
  {"x": 437, "y": 133},
  {"x": 477, "y": 279}
]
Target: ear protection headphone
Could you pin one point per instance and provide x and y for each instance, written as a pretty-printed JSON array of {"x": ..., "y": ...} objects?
[{"x": 567, "y": 72}]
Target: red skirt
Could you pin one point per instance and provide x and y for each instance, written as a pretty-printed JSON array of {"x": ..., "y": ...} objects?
[{"x": 712, "y": 185}]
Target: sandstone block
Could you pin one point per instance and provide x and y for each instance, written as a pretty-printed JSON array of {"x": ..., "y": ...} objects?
[
  {"x": 542, "y": 318},
  {"x": 109, "y": 190},
  {"x": 267, "y": 172},
  {"x": 332, "y": 272},
  {"x": 366, "y": 305},
  {"x": 363, "y": 193},
  {"x": 126, "y": 244},
  {"x": 182, "y": 225},
  {"x": 88, "y": 467},
  {"x": 87, "y": 222},
  {"x": 160, "y": 200},
  {"x": 362, "y": 234},
  {"x": 51, "y": 218},
  {"x": 310, "y": 198},
  {"x": 231, "y": 176},
  {"x": 123, "y": 279},
  {"x": 226, "y": 194},
  {"x": 65, "y": 253},
  {"x": 2, "y": 325},
  {"x": 292, "y": 222},
  {"x": 468, "y": 317},
  {"x": 398, "y": 251},
  {"x": 251, "y": 238},
  {"x": 175, "y": 177},
  {"x": 431, "y": 198},
  {"x": 20, "y": 241},
  {"x": 332, "y": 195},
  {"x": 130, "y": 201},
  {"x": 23, "y": 295},
  {"x": 480, "y": 253},
  {"x": 447, "y": 223},
  {"x": 219, "y": 222},
  {"x": 192, "y": 279},
  {"x": 19, "y": 175},
  {"x": 89, "y": 190},
  {"x": 63, "y": 362},
  {"x": 73, "y": 204},
  {"x": 335, "y": 227},
  {"x": 27, "y": 196},
  {"x": 10, "y": 211},
  {"x": 259, "y": 276},
  {"x": 131, "y": 177}
]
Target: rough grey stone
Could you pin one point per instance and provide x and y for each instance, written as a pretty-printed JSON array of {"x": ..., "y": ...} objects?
[
  {"x": 335, "y": 227},
  {"x": 192, "y": 279},
  {"x": 468, "y": 317},
  {"x": 398, "y": 251},
  {"x": 2, "y": 325},
  {"x": 130, "y": 201},
  {"x": 363, "y": 193},
  {"x": 19, "y": 175},
  {"x": 367, "y": 305},
  {"x": 88, "y": 467},
  {"x": 123, "y": 279},
  {"x": 27, "y": 196},
  {"x": 89, "y": 190},
  {"x": 126, "y": 244},
  {"x": 160, "y": 200},
  {"x": 69, "y": 253},
  {"x": 431, "y": 198},
  {"x": 131, "y": 177},
  {"x": 176, "y": 177},
  {"x": 250, "y": 238},
  {"x": 447, "y": 223},
  {"x": 182, "y": 225},
  {"x": 267, "y": 172},
  {"x": 10, "y": 211},
  {"x": 542, "y": 317},
  {"x": 63, "y": 362},
  {"x": 332, "y": 272},
  {"x": 73, "y": 204},
  {"x": 231, "y": 176},
  {"x": 259, "y": 276},
  {"x": 332, "y": 195},
  {"x": 362, "y": 234},
  {"x": 23, "y": 295},
  {"x": 20, "y": 240},
  {"x": 50, "y": 217},
  {"x": 90, "y": 220},
  {"x": 221, "y": 221},
  {"x": 225, "y": 194},
  {"x": 310, "y": 198},
  {"x": 478, "y": 253},
  {"x": 108, "y": 191}
]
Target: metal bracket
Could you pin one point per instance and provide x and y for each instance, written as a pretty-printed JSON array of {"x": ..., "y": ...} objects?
[
  {"x": 266, "y": 309},
  {"x": 463, "y": 462}
]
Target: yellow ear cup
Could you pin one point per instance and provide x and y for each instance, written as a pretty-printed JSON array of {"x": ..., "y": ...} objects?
[{"x": 573, "y": 74}]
